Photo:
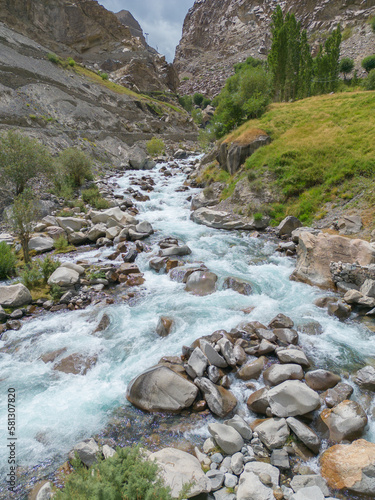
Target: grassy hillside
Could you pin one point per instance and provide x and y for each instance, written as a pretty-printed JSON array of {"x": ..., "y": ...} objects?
[{"x": 322, "y": 150}]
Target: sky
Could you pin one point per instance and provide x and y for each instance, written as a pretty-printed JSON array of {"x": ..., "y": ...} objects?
[{"x": 161, "y": 19}]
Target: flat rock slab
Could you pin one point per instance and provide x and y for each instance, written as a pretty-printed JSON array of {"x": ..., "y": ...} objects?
[
  {"x": 221, "y": 220},
  {"x": 41, "y": 244}
]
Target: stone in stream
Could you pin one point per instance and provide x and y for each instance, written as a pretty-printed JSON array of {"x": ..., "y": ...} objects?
[
  {"x": 64, "y": 277},
  {"x": 241, "y": 427},
  {"x": 321, "y": 380},
  {"x": 273, "y": 432},
  {"x": 276, "y": 374},
  {"x": 365, "y": 378},
  {"x": 197, "y": 364},
  {"x": 77, "y": 364},
  {"x": 96, "y": 232},
  {"x": 258, "y": 401},
  {"x": 104, "y": 323},
  {"x": 262, "y": 470},
  {"x": 252, "y": 370},
  {"x": 87, "y": 451},
  {"x": 308, "y": 493},
  {"x": 281, "y": 321},
  {"x": 175, "y": 250},
  {"x": 201, "y": 283},
  {"x": 229, "y": 440},
  {"x": 226, "y": 350},
  {"x": 178, "y": 468},
  {"x": 238, "y": 285},
  {"x": 345, "y": 421},
  {"x": 288, "y": 225},
  {"x": 339, "y": 309},
  {"x": 161, "y": 389},
  {"x": 308, "y": 480},
  {"x": 292, "y": 398},
  {"x": 280, "y": 459},
  {"x": 308, "y": 437},
  {"x": 158, "y": 263},
  {"x": 212, "y": 355},
  {"x": 250, "y": 487},
  {"x": 350, "y": 466},
  {"x": 293, "y": 356},
  {"x": 14, "y": 295},
  {"x": 286, "y": 335},
  {"x": 222, "y": 220},
  {"x": 219, "y": 400},
  {"x": 164, "y": 326},
  {"x": 338, "y": 394}
]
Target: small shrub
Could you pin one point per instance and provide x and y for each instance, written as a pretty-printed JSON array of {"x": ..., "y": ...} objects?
[
  {"x": 71, "y": 62},
  {"x": 155, "y": 146},
  {"x": 7, "y": 261},
  {"x": 370, "y": 81},
  {"x": 346, "y": 66},
  {"x": 258, "y": 216},
  {"x": 372, "y": 23},
  {"x": 53, "y": 58},
  {"x": 368, "y": 63},
  {"x": 75, "y": 166},
  {"x": 61, "y": 244},
  {"x": 185, "y": 79},
  {"x": 127, "y": 475},
  {"x": 94, "y": 198},
  {"x": 198, "y": 99},
  {"x": 56, "y": 292},
  {"x": 37, "y": 272},
  {"x": 186, "y": 101},
  {"x": 347, "y": 33},
  {"x": 104, "y": 76}
]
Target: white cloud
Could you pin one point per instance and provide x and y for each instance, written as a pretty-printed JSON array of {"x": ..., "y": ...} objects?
[{"x": 162, "y": 19}]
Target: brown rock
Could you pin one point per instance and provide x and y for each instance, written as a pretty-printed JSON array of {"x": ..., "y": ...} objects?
[
  {"x": 76, "y": 364},
  {"x": 128, "y": 268},
  {"x": 103, "y": 323},
  {"x": 258, "y": 401},
  {"x": 51, "y": 356},
  {"x": 350, "y": 467},
  {"x": 252, "y": 370},
  {"x": 345, "y": 421},
  {"x": 315, "y": 253},
  {"x": 135, "y": 280},
  {"x": 321, "y": 380},
  {"x": 164, "y": 326},
  {"x": 337, "y": 395}
]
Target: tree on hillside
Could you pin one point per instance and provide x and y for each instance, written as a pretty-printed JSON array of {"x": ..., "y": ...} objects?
[
  {"x": 326, "y": 64},
  {"x": 346, "y": 66},
  {"x": 368, "y": 63},
  {"x": 289, "y": 59},
  {"x": 22, "y": 159},
  {"x": 22, "y": 216}
]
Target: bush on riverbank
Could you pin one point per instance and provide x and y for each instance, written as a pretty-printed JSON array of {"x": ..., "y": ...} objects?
[
  {"x": 8, "y": 261},
  {"x": 125, "y": 476},
  {"x": 94, "y": 198}
]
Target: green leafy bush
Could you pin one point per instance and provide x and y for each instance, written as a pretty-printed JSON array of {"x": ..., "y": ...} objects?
[
  {"x": 7, "y": 261},
  {"x": 61, "y": 244},
  {"x": 186, "y": 101},
  {"x": 125, "y": 476},
  {"x": 155, "y": 146},
  {"x": 104, "y": 76},
  {"x": 346, "y": 65},
  {"x": 71, "y": 62},
  {"x": 368, "y": 63},
  {"x": 37, "y": 272},
  {"x": 75, "y": 167},
  {"x": 56, "y": 292},
  {"x": 372, "y": 23},
  {"x": 94, "y": 198},
  {"x": 198, "y": 98},
  {"x": 370, "y": 81},
  {"x": 51, "y": 56}
]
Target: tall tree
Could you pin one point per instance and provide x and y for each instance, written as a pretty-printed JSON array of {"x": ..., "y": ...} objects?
[{"x": 327, "y": 67}]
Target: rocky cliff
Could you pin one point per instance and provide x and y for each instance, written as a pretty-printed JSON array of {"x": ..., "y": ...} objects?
[
  {"x": 90, "y": 34},
  {"x": 218, "y": 34}
]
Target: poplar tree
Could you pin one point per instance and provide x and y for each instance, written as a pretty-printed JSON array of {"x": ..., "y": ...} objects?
[{"x": 327, "y": 67}]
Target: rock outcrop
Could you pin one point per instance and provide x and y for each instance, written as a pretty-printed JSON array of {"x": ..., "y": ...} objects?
[{"x": 217, "y": 35}]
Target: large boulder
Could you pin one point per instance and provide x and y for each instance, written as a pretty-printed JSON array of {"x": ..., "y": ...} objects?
[
  {"x": 161, "y": 389},
  {"x": 350, "y": 466},
  {"x": 288, "y": 225},
  {"x": 250, "y": 487},
  {"x": 64, "y": 277},
  {"x": 71, "y": 224},
  {"x": 219, "y": 400},
  {"x": 316, "y": 252},
  {"x": 345, "y": 421},
  {"x": 201, "y": 283},
  {"x": 292, "y": 398},
  {"x": 232, "y": 155},
  {"x": 178, "y": 468},
  {"x": 219, "y": 219},
  {"x": 226, "y": 436},
  {"x": 14, "y": 295},
  {"x": 41, "y": 244}
]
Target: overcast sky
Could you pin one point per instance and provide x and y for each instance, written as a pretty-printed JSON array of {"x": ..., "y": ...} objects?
[{"x": 162, "y": 19}]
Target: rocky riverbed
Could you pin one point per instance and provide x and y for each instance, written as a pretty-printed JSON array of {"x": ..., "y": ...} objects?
[{"x": 191, "y": 318}]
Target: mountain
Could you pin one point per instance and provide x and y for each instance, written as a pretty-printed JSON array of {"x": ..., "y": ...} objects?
[
  {"x": 90, "y": 34},
  {"x": 220, "y": 33}
]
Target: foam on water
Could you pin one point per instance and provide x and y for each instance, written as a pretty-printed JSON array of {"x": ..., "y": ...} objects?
[{"x": 55, "y": 410}]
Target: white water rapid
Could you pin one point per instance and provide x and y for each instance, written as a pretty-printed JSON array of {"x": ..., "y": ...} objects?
[{"x": 56, "y": 410}]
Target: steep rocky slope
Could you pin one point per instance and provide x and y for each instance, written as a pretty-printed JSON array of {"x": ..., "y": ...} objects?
[
  {"x": 218, "y": 34},
  {"x": 87, "y": 32}
]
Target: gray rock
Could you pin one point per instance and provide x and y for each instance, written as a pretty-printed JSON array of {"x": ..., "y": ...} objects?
[
  {"x": 350, "y": 224},
  {"x": 77, "y": 268},
  {"x": 365, "y": 378},
  {"x": 229, "y": 440},
  {"x": 273, "y": 432},
  {"x": 77, "y": 238},
  {"x": 258, "y": 401},
  {"x": 288, "y": 225},
  {"x": 213, "y": 374},
  {"x": 223, "y": 494},
  {"x": 237, "y": 463},
  {"x": 178, "y": 468},
  {"x": 368, "y": 288},
  {"x": 280, "y": 459},
  {"x": 241, "y": 427},
  {"x": 108, "y": 452},
  {"x": 321, "y": 380},
  {"x": 345, "y": 421},
  {"x": 230, "y": 480},
  {"x": 176, "y": 250},
  {"x": 293, "y": 356},
  {"x": 238, "y": 285},
  {"x": 309, "y": 493},
  {"x": 305, "y": 434},
  {"x": 64, "y": 277},
  {"x": 87, "y": 452},
  {"x": 71, "y": 224},
  {"x": 41, "y": 244},
  {"x": 219, "y": 400},
  {"x": 217, "y": 479},
  {"x": 198, "y": 362},
  {"x": 45, "y": 492},
  {"x": 216, "y": 458},
  {"x": 337, "y": 395},
  {"x": 212, "y": 355},
  {"x": 252, "y": 370},
  {"x": 226, "y": 349},
  {"x": 251, "y": 488},
  {"x": 276, "y": 374},
  {"x": 14, "y": 295},
  {"x": 201, "y": 283},
  {"x": 281, "y": 321},
  {"x": 260, "y": 468},
  {"x": 96, "y": 232},
  {"x": 286, "y": 335},
  {"x": 307, "y": 480},
  {"x": 221, "y": 220},
  {"x": 161, "y": 389},
  {"x": 292, "y": 398}
]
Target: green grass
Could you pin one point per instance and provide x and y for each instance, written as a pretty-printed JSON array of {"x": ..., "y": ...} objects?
[{"x": 322, "y": 150}]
